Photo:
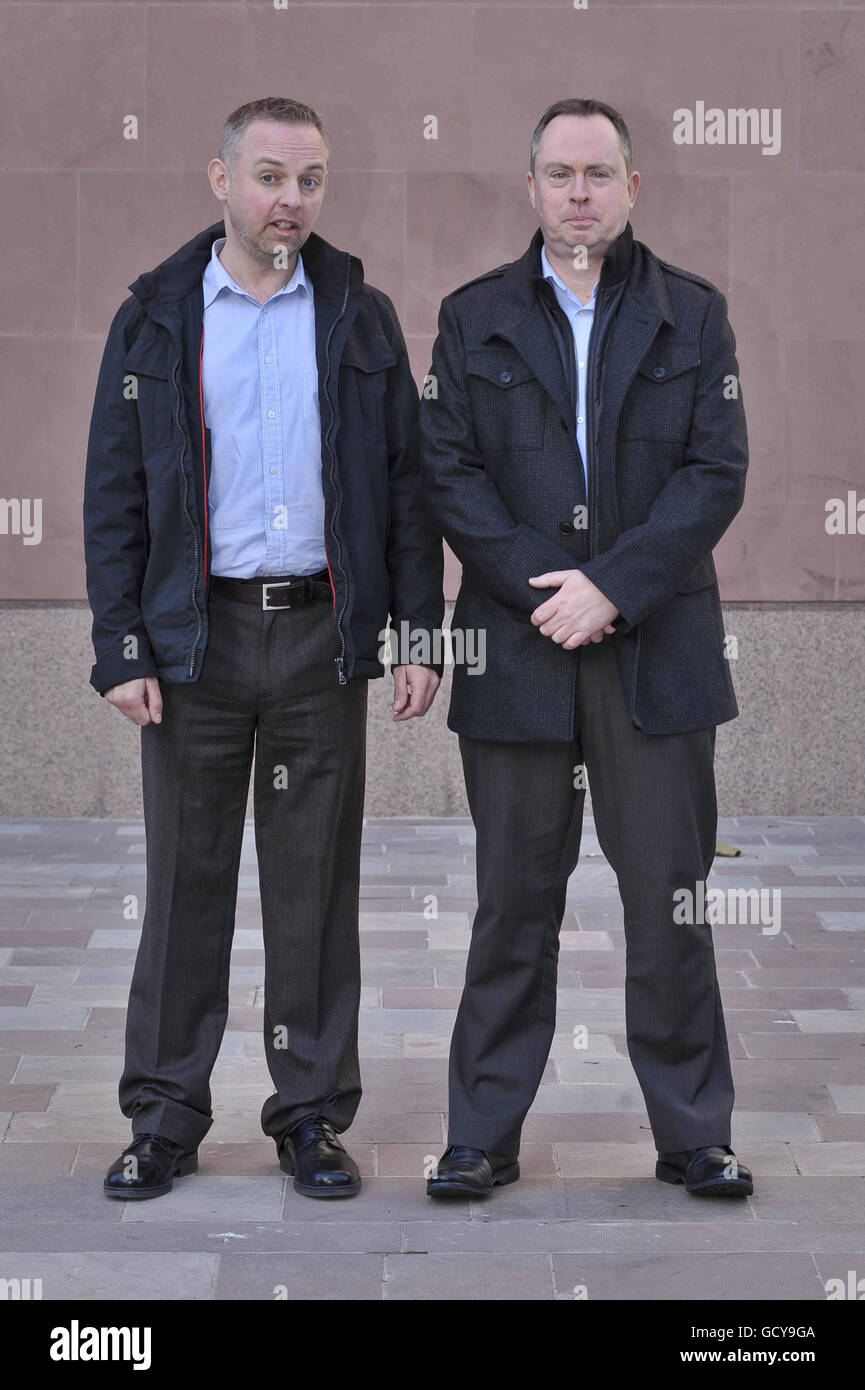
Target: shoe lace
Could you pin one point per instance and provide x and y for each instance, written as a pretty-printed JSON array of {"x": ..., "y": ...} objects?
[
  {"x": 313, "y": 1128},
  {"x": 160, "y": 1140}
]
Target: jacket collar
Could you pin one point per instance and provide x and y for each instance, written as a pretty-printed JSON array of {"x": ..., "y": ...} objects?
[
  {"x": 626, "y": 260},
  {"x": 518, "y": 315},
  {"x": 216, "y": 278},
  {"x": 162, "y": 289}
]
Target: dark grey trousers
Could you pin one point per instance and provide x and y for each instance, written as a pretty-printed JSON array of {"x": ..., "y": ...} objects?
[
  {"x": 268, "y": 691},
  {"x": 656, "y": 817}
]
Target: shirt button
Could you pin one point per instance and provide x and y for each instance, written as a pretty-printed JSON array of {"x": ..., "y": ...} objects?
[
  {"x": 582, "y": 364},
  {"x": 566, "y": 528},
  {"x": 579, "y": 419},
  {"x": 270, "y": 414},
  {"x": 273, "y": 470},
  {"x": 267, "y": 359}
]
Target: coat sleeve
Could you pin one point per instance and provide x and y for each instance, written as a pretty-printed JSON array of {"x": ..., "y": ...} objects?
[
  {"x": 413, "y": 553},
  {"x": 647, "y": 564},
  {"x": 115, "y": 519},
  {"x": 497, "y": 553}
]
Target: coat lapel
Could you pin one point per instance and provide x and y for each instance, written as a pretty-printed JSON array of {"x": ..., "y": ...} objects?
[
  {"x": 644, "y": 307},
  {"x": 518, "y": 317},
  {"x": 533, "y": 339}
]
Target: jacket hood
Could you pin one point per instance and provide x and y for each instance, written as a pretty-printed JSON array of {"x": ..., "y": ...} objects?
[{"x": 180, "y": 274}]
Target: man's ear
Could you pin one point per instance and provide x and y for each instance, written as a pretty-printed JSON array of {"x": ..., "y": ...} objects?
[{"x": 217, "y": 175}]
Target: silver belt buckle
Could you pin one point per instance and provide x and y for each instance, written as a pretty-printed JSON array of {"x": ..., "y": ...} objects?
[{"x": 276, "y": 584}]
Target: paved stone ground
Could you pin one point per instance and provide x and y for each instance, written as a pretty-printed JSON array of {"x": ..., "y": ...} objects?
[{"x": 588, "y": 1211}]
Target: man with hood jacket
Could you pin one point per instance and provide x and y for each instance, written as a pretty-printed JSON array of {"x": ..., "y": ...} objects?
[{"x": 252, "y": 517}]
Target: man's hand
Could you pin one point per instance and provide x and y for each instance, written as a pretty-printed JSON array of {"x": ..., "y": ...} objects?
[
  {"x": 414, "y": 689},
  {"x": 139, "y": 700},
  {"x": 579, "y": 613}
]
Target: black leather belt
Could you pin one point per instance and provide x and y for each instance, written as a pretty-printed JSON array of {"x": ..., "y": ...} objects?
[{"x": 284, "y": 591}]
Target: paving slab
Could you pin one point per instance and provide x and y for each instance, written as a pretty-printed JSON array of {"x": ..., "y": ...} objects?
[
  {"x": 840, "y": 1158},
  {"x": 639, "y": 1237},
  {"x": 832, "y": 1198},
  {"x": 50, "y": 1016},
  {"x": 296, "y": 1238},
  {"x": 285, "y": 1278},
  {"x": 203, "y": 1196},
  {"x": 88, "y": 1276},
  {"x": 526, "y": 1278},
  {"x": 716, "y": 1278}
]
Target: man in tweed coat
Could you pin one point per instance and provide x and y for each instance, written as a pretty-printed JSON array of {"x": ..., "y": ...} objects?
[{"x": 584, "y": 449}]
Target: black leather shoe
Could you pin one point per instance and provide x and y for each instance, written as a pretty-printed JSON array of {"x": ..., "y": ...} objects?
[
  {"x": 148, "y": 1168},
  {"x": 311, "y": 1153},
  {"x": 464, "y": 1172},
  {"x": 709, "y": 1172}
]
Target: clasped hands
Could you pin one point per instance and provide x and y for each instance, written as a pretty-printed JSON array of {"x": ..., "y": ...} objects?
[{"x": 579, "y": 613}]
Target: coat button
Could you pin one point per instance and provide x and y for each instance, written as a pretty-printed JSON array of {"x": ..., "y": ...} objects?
[
  {"x": 506, "y": 377},
  {"x": 659, "y": 373},
  {"x": 566, "y": 528}
]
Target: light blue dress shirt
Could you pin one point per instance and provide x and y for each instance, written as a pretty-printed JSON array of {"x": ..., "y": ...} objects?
[
  {"x": 581, "y": 317},
  {"x": 260, "y": 390}
]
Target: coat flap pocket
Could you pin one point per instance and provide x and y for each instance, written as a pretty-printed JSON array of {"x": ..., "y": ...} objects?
[
  {"x": 370, "y": 353},
  {"x": 504, "y": 370},
  {"x": 149, "y": 356},
  {"x": 667, "y": 360}
]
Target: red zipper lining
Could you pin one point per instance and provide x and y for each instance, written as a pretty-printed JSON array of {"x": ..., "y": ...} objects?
[
  {"x": 203, "y": 457},
  {"x": 330, "y": 575}
]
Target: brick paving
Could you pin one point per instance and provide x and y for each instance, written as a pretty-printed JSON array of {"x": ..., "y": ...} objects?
[{"x": 587, "y": 1214}]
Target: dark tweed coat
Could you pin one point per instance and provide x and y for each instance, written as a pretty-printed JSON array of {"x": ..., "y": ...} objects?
[{"x": 667, "y": 459}]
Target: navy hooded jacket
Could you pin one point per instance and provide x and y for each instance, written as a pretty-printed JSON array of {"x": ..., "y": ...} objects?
[{"x": 146, "y": 537}]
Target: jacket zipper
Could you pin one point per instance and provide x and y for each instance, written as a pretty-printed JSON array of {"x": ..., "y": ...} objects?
[
  {"x": 574, "y": 390},
  {"x": 186, "y": 513},
  {"x": 340, "y": 660},
  {"x": 597, "y": 329},
  {"x": 565, "y": 339}
]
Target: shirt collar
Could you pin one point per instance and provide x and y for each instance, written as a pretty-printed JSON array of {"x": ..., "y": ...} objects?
[
  {"x": 549, "y": 274},
  {"x": 217, "y": 278}
]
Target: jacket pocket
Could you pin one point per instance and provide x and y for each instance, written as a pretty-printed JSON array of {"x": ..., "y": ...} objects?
[
  {"x": 164, "y": 601},
  {"x": 660, "y": 400},
  {"x": 509, "y": 403},
  {"x": 663, "y": 364},
  {"x": 147, "y": 367},
  {"x": 363, "y": 372}
]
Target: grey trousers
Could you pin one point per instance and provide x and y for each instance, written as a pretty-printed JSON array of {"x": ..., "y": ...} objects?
[
  {"x": 268, "y": 692},
  {"x": 655, "y": 813}
]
